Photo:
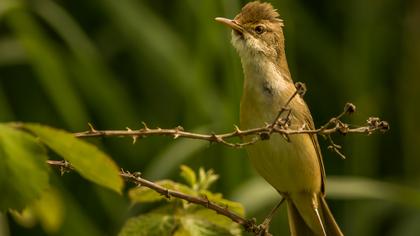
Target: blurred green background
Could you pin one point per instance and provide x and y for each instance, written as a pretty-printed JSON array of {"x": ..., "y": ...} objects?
[{"x": 168, "y": 63}]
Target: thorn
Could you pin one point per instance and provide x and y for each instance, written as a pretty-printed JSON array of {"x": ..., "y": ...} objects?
[
  {"x": 340, "y": 154},
  {"x": 167, "y": 195},
  {"x": 216, "y": 138},
  {"x": 206, "y": 199},
  {"x": 145, "y": 126},
  {"x": 336, "y": 148},
  {"x": 237, "y": 130},
  {"x": 286, "y": 137},
  {"x": 91, "y": 128},
  {"x": 135, "y": 137},
  {"x": 177, "y": 129}
]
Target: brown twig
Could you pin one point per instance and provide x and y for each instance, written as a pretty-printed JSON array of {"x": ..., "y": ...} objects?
[
  {"x": 280, "y": 126},
  {"x": 249, "y": 225},
  {"x": 334, "y": 125}
]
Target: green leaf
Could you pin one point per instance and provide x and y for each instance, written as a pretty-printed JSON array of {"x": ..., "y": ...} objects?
[
  {"x": 23, "y": 171},
  {"x": 86, "y": 158},
  {"x": 219, "y": 220},
  {"x": 25, "y": 217},
  {"x": 144, "y": 194},
  {"x": 191, "y": 225},
  {"x": 151, "y": 224},
  {"x": 188, "y": 174},
  {"x": 231, "y": 205},
  {"x": 206, "y": 178},
  {"x": 49, "y": 210}
]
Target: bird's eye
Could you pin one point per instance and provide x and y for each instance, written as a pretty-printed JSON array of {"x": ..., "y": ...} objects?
[{"x": 259, "y": 29}]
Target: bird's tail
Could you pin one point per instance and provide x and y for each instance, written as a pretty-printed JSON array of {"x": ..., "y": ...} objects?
[{"x": 309, "y": 215}]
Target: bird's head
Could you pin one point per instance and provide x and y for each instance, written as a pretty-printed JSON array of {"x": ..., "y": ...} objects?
[{"x": 257, "y": 31}]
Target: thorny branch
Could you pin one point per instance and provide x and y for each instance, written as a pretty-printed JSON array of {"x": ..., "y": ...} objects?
[
  {"x": 279, "y": 126},
  {"x": 249, "y": 225}
]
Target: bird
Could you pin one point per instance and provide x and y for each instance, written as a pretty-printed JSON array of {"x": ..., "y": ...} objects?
[{"x": 291, "y": 164}]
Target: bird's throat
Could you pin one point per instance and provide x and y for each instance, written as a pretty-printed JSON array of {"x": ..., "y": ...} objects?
[
  {"x": 265, "y": 90},
  {"x": 263, "y": 78}
]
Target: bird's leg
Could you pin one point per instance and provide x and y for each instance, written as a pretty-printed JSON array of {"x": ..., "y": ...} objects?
[{"x": 266, "y": 223}]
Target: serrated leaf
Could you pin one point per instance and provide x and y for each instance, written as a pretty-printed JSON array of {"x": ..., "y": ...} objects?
[
  {"x": 87, "y": 159},
  {"x": 194, "y": 226},
  {"x": 188, "y": 174},
  {"x": 151, "y": 224},
  {"x": 143, "y": 194},
  {"x": 23, "y": 171}
]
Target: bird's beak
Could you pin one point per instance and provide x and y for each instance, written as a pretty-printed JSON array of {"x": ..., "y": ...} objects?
[{"x": 231, "y": 23}]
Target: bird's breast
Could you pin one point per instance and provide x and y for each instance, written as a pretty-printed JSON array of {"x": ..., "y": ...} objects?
[{"x": 289, "y": 166}]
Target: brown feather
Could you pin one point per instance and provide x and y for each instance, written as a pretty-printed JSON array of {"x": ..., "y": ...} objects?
[
  {"x": 309, "y": 121},
  {"x": 257, "y": 11}
]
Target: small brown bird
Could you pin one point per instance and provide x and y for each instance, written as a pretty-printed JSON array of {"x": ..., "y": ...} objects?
[{"x": 293, "y": 167}]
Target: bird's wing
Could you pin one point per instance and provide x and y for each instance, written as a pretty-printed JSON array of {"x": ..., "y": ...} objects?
[{"x": 309, "y": 121}]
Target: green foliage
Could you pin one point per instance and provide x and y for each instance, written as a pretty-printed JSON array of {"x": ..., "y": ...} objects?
[
  {"x": 86, "y": 158},
  {"x": 143, "y": 194},
  {"x": 192, "y": 225},
  {"x": 48, "y": 210},
  {"x": 116, "y": 63},
  {"x": 189, "y": 176},
  {"x": 23, "y": 171},
  {"x": 178, "y": 217},
  {"x": 150, "y": 224},
  {"x": 25, "y": 175}
]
